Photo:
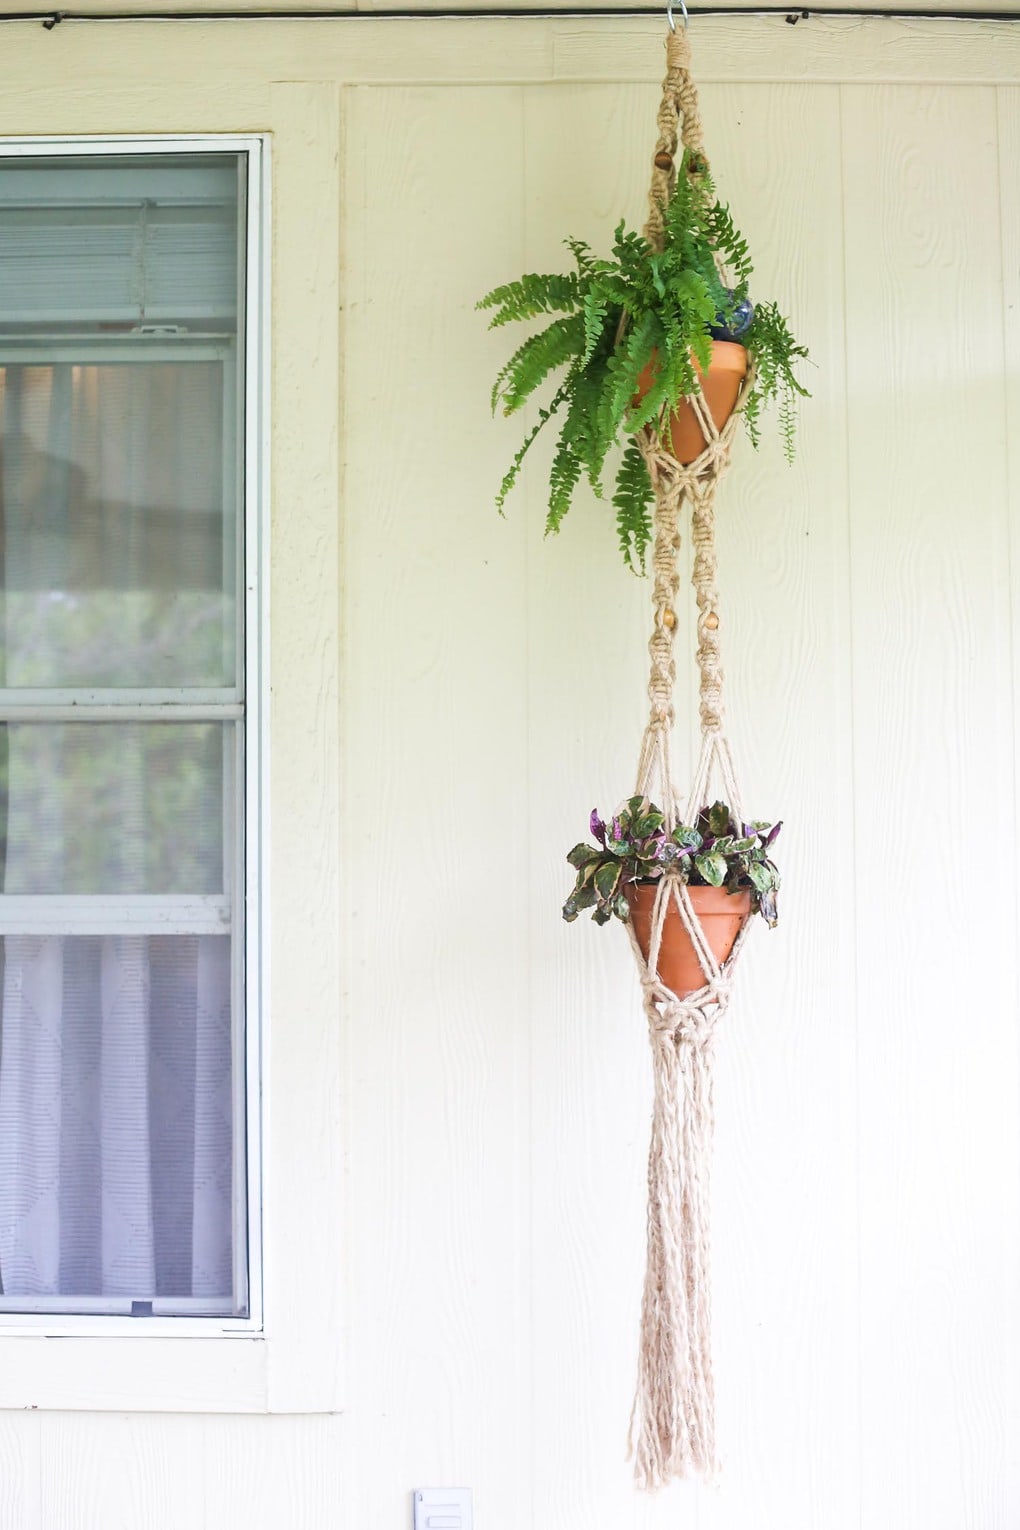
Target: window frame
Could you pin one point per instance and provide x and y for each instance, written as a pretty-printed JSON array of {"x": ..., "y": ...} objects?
[{"x": 251, "y": 849}]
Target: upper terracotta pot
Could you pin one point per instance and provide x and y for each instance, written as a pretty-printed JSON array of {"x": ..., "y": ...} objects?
[
  {"x": 721, "y": 388},
  {"x": 721, "y": 915}
]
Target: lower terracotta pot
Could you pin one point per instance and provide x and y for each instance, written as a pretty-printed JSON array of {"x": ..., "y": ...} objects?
[
  {"x": 721, "y": 388},
  {"x": 721, "y": 915}
]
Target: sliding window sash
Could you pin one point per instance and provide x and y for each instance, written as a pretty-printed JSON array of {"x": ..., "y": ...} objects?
[{"x": 238, "y": 911}]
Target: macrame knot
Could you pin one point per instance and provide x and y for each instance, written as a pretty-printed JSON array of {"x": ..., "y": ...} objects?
[
  {"x": 660, "y": 684},
  {"x": 664, "y": 554},
  {"x": 702, "y": 526},
  {"x": 692, "y": 1018},
  {"x": 693, "y": 1026},
  {"x": 711, "y": 462},
  {"x": 668, "y": 1015},
  {"x": 710, "y": 706}
]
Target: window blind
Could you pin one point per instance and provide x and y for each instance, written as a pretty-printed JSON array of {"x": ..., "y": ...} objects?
[{"x": 113, "y": 245}]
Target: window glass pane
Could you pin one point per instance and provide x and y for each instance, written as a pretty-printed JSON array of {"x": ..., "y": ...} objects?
[
  {"x": 120, "y": 291},
  {"x": 121, "y": 240},
  {"x": 119, "y": 1181},
  {"x": 118, "y": 531},
  {"x": 113, "y": 807}
]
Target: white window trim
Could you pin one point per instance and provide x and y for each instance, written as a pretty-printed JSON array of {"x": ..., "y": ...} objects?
[{"x": 151, "y": 1362}]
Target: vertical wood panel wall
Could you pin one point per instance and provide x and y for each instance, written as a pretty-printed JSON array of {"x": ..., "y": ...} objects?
[{"x": 496, "y": 1090}]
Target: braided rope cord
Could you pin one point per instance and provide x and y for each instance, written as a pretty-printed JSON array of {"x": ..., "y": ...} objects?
[{"x": 672, "y": 1431}]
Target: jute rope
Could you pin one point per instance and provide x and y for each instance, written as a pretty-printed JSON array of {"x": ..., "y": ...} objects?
[
  {"x": 672, "y": 1430},
  {"x": 679, "y": 121}
]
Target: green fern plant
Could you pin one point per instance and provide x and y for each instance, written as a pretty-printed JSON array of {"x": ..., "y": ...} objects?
[{"x": 611, "y": 318}]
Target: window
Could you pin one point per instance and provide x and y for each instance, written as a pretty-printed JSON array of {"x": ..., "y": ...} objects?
[{"x": 128, "y": 772}]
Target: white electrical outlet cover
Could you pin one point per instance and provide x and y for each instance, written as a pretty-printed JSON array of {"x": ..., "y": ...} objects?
[{"x": 443, "y": 1509}]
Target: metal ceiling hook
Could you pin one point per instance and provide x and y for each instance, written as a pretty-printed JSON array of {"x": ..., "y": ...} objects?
[{"x": 669, "y": 14}]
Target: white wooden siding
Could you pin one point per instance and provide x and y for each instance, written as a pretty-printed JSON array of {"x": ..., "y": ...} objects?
[{"x": 459, "y": 1082}]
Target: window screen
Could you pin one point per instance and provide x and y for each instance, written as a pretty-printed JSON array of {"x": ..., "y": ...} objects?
[{"x": 122, "y": 747}]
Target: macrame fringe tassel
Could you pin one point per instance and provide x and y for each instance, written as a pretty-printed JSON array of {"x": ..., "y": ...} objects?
[{"x": 672, "y": 1431}]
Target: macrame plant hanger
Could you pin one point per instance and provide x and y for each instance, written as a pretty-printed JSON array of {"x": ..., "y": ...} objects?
[{"x": 673, "y": 1425}]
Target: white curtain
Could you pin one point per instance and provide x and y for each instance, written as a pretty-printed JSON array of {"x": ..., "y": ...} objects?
[
  {"x": 115, "y": 1121},
  {"x": 116, "y": 1167}
]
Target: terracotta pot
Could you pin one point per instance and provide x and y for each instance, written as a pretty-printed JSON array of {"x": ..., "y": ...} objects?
[
  {"x": 721, "y": 387},
  {"x": 721, "y": 915}
]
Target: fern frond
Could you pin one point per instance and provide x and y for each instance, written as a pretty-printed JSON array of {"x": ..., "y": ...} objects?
[
  {"x": 625, "y": 367},
  {"x": 653, "y": 408},
  {"x": 693, "y": 292},
  {"x": 618, "y": 292},
  {"x": 787, "y": 421},
  {"x": 632, "y": 499},
  {"x": 630, "y": 249},
  {"x": 510, "y": 476},
  {"x": 729, "y": 242},
  {"x": 530, "y": 365},
  {"x": 776, "y": 353},
  {"x": 676, "y": 347},
  {"x": 752, "y": 416},
  {"x": 583, "y": 430},
  {"x": 582, "y": 255},
  {"x": 530, "y": 297},
  {"x": 564, "y": 474},
  {"x": 596, "y": 318}
]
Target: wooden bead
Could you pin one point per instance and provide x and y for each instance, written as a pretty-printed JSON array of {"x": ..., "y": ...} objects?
[
  {"x": 663, "y": 161},
  {"x": 669, "y": 618},
  {"x": 711, "y": 621}
]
